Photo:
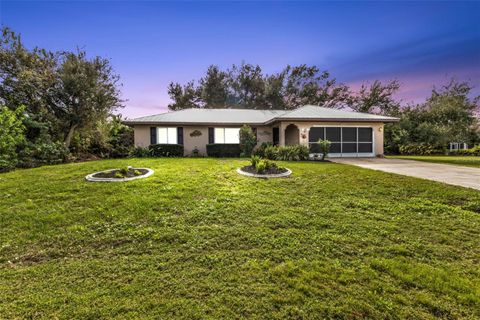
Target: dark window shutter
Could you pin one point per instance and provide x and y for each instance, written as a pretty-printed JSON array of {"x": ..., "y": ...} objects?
[
  {"x": 255, "y": 132},
  {"x": 153, "y": 135},
  {"x": 180, "y": 135},
  {"x": 211, "y": 138}
]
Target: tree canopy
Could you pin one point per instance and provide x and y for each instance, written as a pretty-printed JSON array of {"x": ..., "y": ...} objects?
[
  {"x": 63, "y": 93},
  {"x": 246, "y": 86}
]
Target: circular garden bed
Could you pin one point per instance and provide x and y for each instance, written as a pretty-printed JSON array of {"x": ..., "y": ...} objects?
[
  {"x": 119, "y": 175},
  {"x": 275, "y": 172}
]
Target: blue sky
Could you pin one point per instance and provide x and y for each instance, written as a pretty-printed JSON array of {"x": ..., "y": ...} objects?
[{"x": 151, "y": 43}]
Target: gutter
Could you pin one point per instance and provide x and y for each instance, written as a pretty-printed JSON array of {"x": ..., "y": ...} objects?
[{"x": 273, "y": 120}]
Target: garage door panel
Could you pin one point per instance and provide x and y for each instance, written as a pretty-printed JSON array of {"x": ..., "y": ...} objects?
[
  {"x": 349, "y": 134},
  {"x": 365, "y": 147},
  {"x": 316, "y": 133},
  {"x": 349, "y": 147},
  {"x": 365, "y": 135},
  {"x": 335, "y": 147},
  {"x": 333, "y": 134}
]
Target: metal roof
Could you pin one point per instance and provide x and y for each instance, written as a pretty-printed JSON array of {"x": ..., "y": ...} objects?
[
  {"x": 310, "y": 112},
  {"x": 252, "y": 116}
]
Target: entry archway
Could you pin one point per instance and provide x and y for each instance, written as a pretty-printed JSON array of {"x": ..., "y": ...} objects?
[{"x": 292, "y": 135}]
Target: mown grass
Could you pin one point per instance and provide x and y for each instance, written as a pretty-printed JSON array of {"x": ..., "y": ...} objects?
[
  {"x": 197, "y": 240},
  {"x": 468, "y": 161}
]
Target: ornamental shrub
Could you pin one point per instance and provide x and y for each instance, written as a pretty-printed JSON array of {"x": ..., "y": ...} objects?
[
  {"x": 270, "y": 152},
  {"x": 324, "y": 147},
  {"x": 248, "y": 141},
  {"x": 140, "y": 152},
  {"x": 420, "y": 149},
  {"x": 293, "y": 153},
  {"x": 254, "y": 160},
  {"x": 42, "y": 153},
  {"x": 11, "y": 136},
  {"x": 260, "y": 150},
  {"x": 475, "y": 151}
]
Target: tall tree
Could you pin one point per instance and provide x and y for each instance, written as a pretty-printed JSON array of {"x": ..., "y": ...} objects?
[
  {"x": 376, "y": 97},
  {"x": 86, "y": 91},
  {"x": 213, "y": 88},
  {"x": 27, "y": 78},
  {"x": 448, "y": 115},
  {"x": 308, "y": 85},
  {"x": 247, "y": 86},
  {"x": 183, "y": 97}
]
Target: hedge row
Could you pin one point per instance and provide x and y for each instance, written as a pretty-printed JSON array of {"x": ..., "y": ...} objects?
[
  {"x": 223, "y": 150},
  {"x": 166, "y": 150}
]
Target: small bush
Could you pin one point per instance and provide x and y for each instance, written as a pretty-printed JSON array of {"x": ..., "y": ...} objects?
[
  {"x": 420, "y": 149},
  {"x": 37, "y": 154},
  {"x": 260, "y": 150},
  {"x": 254, "y": 160},
  {"x": 223, "y": 150},
  {"x": 287, "y": 153},
  {"x": 293, "y": 153},
  {"x": 475, "y": 151},
  {"x": 324, "y": 147},
  {"x": 166, "y": 150},
  {"x": 270, "y": 152},
  {"x": 248, "y": 141},
  {"x": 11, "y": 136},
  {"x": 261, "y": 166},
  {"x": 140, "y": 152}
]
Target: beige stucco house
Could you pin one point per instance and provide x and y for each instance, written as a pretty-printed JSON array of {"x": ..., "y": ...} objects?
[{"x": 352, "y": 134}]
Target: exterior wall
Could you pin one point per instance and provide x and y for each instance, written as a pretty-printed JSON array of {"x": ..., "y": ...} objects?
[
  {"x": 264, "y": 134},
  {"x": 199, "y": 142},
  {"x": 141, "y": 135},
  {"x": 304, "y": 128}
]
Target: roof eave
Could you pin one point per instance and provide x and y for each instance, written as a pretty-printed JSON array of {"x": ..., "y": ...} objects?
[
  {"x": 385, "y": 120},
  {"x": 131, "y": 122}
]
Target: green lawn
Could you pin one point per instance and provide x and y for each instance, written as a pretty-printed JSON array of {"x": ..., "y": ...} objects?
[
  {"x": 468, "y": 161},
  {"x": 197, "y": 240}
]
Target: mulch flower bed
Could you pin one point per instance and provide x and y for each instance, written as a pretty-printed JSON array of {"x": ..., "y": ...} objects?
[
  {"x": 130, "y": 173},
  {"x": 275, "y": 170}
]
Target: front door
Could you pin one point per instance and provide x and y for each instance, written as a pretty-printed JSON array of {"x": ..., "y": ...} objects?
[{"x": 276, "y": 136}]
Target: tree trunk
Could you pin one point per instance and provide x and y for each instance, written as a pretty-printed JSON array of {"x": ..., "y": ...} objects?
[{"x": 69, "y": 136}]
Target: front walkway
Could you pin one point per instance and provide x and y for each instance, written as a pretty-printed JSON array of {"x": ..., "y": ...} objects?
[{"x": 450, "y": 174}]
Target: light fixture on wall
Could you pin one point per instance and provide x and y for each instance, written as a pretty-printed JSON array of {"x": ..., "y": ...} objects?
[
  {"x": 303, "y": 133},
  {"x": 380, "y": 129}
]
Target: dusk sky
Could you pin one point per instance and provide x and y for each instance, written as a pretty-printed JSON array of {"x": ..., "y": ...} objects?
[{"x": 151, "y": 43}]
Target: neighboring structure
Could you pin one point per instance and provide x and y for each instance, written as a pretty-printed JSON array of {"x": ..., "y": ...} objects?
[
  {"x": 456, "y": 146},
  {"x": 352, "y": 134}
]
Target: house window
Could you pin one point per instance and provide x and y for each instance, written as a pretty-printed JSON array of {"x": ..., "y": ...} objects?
[
  {"x": 167, "y": 135},
  {"x": 227, "y": 135}
]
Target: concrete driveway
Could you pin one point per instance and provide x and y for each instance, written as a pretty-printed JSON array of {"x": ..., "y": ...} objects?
[{"x": 450, "y": 174}]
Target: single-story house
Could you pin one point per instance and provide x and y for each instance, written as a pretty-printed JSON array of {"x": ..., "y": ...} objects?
[{"x": 352, "y": 134}]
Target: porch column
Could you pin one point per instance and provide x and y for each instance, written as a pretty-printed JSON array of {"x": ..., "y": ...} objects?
[
  {"x": 281, "y": 132},
  {"x": 303, "y": 131}
]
